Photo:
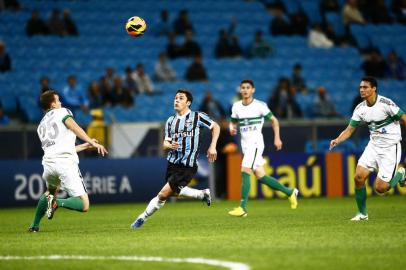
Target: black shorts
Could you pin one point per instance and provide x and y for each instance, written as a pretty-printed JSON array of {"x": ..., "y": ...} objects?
[{"x": 179, "y": 176}]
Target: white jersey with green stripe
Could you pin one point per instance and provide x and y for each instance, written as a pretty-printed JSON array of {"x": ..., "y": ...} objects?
[
  {"x": 58, "y": 142},
  {"x": 250, "y": 119},
  {"x": 382, "y": 119}
]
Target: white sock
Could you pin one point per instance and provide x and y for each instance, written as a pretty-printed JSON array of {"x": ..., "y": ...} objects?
[
  {"x": 191, "y": 192},
  {"x": 154, "y": 205}
]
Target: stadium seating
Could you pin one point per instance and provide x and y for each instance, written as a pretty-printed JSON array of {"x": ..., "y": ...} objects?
[{"x": 103, "y": 43}]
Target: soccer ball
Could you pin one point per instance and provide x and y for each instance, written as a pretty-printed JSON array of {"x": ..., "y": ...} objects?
[{"x": 135, "y": 26}]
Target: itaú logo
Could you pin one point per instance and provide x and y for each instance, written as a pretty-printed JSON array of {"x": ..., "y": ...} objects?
[{"x": 183, "y": 134}]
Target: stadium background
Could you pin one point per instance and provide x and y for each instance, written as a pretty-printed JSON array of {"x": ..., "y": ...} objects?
[{"x": 134, "y": 134}]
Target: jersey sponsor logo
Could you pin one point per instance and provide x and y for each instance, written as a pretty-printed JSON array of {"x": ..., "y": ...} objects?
[
  {"x": 183, "y": 134},
  {"x": 248, "y": 128}
]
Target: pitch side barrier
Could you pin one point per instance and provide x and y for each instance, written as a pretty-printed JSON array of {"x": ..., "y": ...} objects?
[
  {"x": 330, "y": 175},
  {"x": 107, "y": 180}
]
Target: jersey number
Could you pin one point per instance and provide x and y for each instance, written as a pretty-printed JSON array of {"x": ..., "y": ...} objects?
[{"x": 48, "y": 131}]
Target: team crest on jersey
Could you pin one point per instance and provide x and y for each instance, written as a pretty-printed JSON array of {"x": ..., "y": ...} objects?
[{"x": 188, "y": 123}]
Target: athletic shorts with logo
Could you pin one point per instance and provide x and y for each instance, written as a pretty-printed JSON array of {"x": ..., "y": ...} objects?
[
  {"x": 179, "y": 176},
  {"x": 66, "y": 174},
  {"x": 383, "y": 160},
  {"x": 253, "y": 157}
]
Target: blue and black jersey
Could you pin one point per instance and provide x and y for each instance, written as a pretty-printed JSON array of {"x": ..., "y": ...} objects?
[{"x": 185, "y": 130}]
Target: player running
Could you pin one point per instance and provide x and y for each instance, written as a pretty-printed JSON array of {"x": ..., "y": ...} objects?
[
  {"x": 249, "y": 115},
  {"x": 182, "y": 132},
  {"x": 57, "y": 132},
  {"x": 383, "y": 151}
]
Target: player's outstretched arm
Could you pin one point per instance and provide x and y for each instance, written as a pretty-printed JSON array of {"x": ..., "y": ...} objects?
[
  {"x": 84, "y": 146},
  {"x": 342, "y": 137},
  {"x": 79, "y": 132},
  {"x": 276, "y": 131},
  {"x": 215, "y": 133}
]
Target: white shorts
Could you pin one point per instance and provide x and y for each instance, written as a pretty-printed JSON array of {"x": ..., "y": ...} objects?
[
  {"x": 253, "y": 157},
  {"x": 383, "y": 160},
  {"x": 65, "y": 174}
]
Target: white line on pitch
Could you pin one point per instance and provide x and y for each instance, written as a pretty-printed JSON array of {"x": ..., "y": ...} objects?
[{"x": 225, "y": 264}]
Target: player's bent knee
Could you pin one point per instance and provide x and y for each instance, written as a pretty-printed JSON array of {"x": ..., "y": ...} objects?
[{"x": 359, "y": 179}]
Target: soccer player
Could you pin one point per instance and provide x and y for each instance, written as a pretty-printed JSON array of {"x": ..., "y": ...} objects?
[
  {"x": 182, "y": 132},
  {"x": 249, "y": 115},
  {"x": 383, "y": 151},
  {"x": 57, "y": 132}
]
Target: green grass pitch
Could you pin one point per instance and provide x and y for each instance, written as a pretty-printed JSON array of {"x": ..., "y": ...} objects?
[{"x": 318, "y": 235}]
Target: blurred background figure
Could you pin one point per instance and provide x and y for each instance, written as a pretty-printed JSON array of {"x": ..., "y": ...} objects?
[
  {"x": 395, "y": 67},
  {"x": 73, "y": 95},
  {"x": 5, "y": 60},
  {"x": 163, "y": 70},
  {"x": 212, "y": 107},
  {"x": 44, "y": 84},
  {"x": 260, "y": 47},
  {"x": 144, "y": 83},
  {"x": 97, "y": 130},
  {"x": 196, "y": 71},
  {"x": 318, "y": 39},
  {"x": 36, "y": 26},
  {"x": 323, "y": 106},
  {"x": 163, "y": 27},
  {"x": 182, "y": 23},
  {"x": 69, "y": 25}
]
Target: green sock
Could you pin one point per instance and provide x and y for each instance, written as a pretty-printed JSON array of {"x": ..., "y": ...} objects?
[
  {"x": 361, "y": 198},
  {"x": 72, "y": 203},
  {"x": 40, "y": 210},
  {"x": 274, "y": 184},
  {"x": 394, "y": 181},
  {"x": 245, "y": 189}
]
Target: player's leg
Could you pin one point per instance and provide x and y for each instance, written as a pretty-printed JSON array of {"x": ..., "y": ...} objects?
[
  {"x": 241, "y": 211},
  {"x": 274, "y": 184},
  {"x": 180, "y": 180},
  {"x": 390, "y": 174},
  {"x": 361, "y": 175},
  {"x": 154, "y": 205},
  {"x": 52, "y": 182},
  {"x": 72, "y": 182}
]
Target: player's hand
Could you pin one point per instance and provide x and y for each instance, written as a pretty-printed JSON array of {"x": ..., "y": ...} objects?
[
  {"x": 212, "y": 154},
  {"x": 278, "y": 144},
  {"x": 100, "y": 148},
  {"x": 174, "y": 145},
  {"x": 333, "y": 144}
]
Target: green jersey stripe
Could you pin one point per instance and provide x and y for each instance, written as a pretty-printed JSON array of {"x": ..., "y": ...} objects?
[
  {"x": 354, "y": 123},
  {"x": 399, "y": 114},
  {"x": 269, "y": 116},
  {"x": 66, "y": 118}
]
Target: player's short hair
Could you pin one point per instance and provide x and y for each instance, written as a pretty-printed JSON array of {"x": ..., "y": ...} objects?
[
  {"x": 187, "y": 93},
  {"x": 248, "y": 81},
  {"x": 47, "y": 98},
  {"x": 372, "y": 81}
]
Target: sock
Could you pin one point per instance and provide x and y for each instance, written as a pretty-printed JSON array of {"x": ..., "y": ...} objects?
[
  {"x": 361, "y": 198},
  {"x": 394, "y": 181},
  {"x": 274, "y": 184},
  {"x": 154, "y": 205},
  {"x": 71, "y": 203},
  {"x": 245, "y": 189},
  {"x": 191, "y": 192},
  {"x": 40, "y": 210}
]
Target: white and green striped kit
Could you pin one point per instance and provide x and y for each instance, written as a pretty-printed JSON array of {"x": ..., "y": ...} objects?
[
  {"x": 250, "y": 119},
  {"x": 382, "y": 119}
]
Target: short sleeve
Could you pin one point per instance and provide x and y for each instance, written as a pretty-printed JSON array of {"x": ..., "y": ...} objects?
[
  {"x": 265, "y": 111},
  {"x": 204, "y": 120},
  {"x": 168, "y": 129},
  {"x": 65, "y": 114},
  {"x": 393, "y": 110},
  {"x": 234, "y": 116},
  {"x": 355, "y": 118}
]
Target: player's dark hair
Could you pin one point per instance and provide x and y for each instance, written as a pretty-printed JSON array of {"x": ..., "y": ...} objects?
[
  {"x": 372, "y": 81},
  {"x": 47, "y": 98},
  {"x": 248, "y": 81},
  {"x": 188, "y": 95}
]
